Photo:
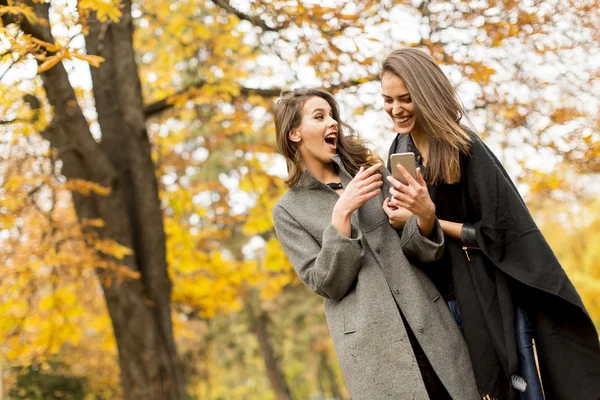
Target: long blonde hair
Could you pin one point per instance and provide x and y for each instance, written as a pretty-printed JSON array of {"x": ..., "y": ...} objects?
[
  {"x": 438, "y": 111},
  {"x": 288, "y": 116}
]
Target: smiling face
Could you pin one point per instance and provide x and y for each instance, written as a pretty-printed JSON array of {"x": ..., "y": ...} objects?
[
  {"x": 317, "y": 135},
  {"x": 398, "y": 103}
]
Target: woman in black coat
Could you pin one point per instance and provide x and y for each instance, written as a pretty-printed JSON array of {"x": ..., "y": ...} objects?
[{"x": 498, "y": 274}]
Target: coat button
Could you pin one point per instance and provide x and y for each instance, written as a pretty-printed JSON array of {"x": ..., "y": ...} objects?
[
  {"x": 377, "y": 250},
  {"x": 397, "y": 291},
  {"x": 420, "y": 329}
]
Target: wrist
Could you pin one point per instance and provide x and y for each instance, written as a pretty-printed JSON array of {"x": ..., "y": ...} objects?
[
  {"x": 342, "y": 222},
  {"x": 341, "y": 212},
  {"x": 426, "y": 220},
  {"x": 429, "y": 214}
]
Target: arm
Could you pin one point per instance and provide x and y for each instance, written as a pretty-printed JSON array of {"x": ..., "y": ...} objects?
[
  {"x": 329, "y": 269},
  {"x": 417, "y": 246},
  {"x": 451, "y": 229}
]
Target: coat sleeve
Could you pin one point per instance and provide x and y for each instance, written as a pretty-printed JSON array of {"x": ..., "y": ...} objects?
[
  {"x": 329, "y": 269},
  {"x": 419, "y": 247},
  {"x": 416, "y": 246}
]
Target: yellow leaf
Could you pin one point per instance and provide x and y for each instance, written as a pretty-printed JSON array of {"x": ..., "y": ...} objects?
[
  {"x": 23, "y": 10},
  {"x": 96, "y": 222},
  {"x": 92, "y": 59},
  {"x": 49, "y": 63},
  {"x": 113, "y": 248}
]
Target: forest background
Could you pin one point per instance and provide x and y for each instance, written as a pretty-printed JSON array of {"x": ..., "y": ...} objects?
[{"x": 138, "y": 170}]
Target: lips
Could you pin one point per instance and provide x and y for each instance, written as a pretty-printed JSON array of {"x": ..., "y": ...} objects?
[{"x": 403, "y": 120}]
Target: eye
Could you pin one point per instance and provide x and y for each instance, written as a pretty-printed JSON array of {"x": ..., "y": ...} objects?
[{"x": 318, "y": 116}]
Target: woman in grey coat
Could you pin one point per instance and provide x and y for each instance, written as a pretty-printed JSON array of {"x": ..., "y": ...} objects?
[{"x": 333, "y": 229}]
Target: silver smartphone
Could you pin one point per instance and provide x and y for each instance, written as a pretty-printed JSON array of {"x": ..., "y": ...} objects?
[{"x": 407, "y": 160}]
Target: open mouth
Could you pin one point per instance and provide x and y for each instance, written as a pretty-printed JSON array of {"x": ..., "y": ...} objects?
[
  {"x": 330, "y": 140},
  {"x": 403, "y": 120}
]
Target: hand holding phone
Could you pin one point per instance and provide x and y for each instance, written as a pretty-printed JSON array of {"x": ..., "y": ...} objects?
[
  {"x": 407, "y": 160},
  {"x": 412, "y": 195}
]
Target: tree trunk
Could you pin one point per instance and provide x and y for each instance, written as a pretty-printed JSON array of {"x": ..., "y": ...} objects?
[
  {"x": 329, "y": 375},
  {"x": 258, "y": 323},
  {"x": 139, "y": 308}
]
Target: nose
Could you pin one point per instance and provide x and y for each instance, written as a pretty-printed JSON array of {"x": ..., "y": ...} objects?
[
  {"x": 332, "y": 122},
  {"x": 397, "y": 108}
]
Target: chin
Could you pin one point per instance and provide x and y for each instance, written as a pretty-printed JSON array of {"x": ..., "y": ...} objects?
[{"x": 404, "y": 130}]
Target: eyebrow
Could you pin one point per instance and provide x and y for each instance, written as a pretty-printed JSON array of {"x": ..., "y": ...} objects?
[
  {"x": 400, "y": 97},
  {"x": 320, "y": 109}
]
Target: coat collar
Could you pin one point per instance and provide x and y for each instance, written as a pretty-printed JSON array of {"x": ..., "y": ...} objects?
[{"x": 308, "y": 180}]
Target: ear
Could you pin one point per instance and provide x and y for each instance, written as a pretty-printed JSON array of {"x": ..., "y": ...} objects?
[{"x": 294, "y": 136}]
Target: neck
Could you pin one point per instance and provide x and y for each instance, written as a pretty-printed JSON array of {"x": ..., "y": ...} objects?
[
  {"x": 326, "y": 173},
  {"x": 421, "y": 142}
]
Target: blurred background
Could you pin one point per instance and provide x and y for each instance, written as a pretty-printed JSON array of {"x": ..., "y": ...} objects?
[{"x": 139, "y": 169}]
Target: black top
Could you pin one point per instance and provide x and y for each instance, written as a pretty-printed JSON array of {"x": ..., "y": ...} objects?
[{"x": 335, "y": 185}]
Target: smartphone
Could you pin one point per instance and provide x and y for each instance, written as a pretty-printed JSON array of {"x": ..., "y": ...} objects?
[{"x": 407, "y": 160}]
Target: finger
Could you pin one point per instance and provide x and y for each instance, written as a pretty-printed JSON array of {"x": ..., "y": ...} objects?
[
  {"x": 371, "y": 170},
  {"x": 409, "y": 179},
  {"x": 420, "y": 179},
  {"x": 386, "y": 207},
  {"x": 402, "y": 200},
  {"x": 371, "y": 179},
  {"x": 372, "y": 194},
  {"x": 395, "y": 182},
  {"x": 397, "y": 193},
  {"x": 393, "y": 203},
  {"x": 372, "y": 186},
  {"x": 387, "y": 203},
  {"x": 360, "y": 171}
]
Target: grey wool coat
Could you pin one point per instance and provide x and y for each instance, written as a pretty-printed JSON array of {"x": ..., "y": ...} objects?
[{"x": 364, "y": 280}]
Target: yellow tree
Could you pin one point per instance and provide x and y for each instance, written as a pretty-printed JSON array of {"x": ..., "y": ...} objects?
[
  {"x": 175, "y": 138},
  {"x": 120, "y": 167},
  {"x": 107, "y": 159}
]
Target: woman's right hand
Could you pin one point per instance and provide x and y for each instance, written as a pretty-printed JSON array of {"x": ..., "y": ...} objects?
[{"x": 363, "y": 187}]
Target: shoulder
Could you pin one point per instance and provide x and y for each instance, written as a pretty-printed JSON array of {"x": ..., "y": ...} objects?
[
  {"x": 479, "y": 151},
  {"x": 292, "y": 202},
  {"x": 283, "y": 203}
]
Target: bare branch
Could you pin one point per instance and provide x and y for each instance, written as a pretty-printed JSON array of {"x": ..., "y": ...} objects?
[
  {"x": 159, "y": 106},
  {"x": 224, "y": 4}
]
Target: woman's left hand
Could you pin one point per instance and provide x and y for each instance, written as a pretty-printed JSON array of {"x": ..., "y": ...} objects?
[{"x": 397, "y": 216}]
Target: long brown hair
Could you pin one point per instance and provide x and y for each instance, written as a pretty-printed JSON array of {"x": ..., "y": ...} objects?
[
  {"x": 438, "y": 111},
  {"x": 352, "y": 150}
]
